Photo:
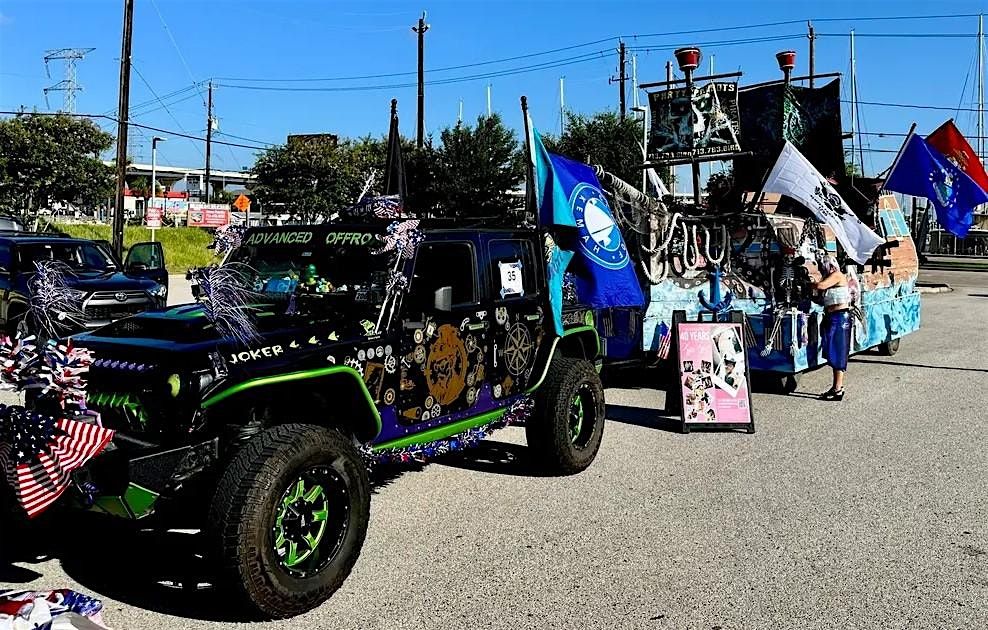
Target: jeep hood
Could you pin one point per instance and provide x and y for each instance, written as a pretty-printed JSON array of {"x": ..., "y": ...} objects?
[{"x": 186, "y": 329}]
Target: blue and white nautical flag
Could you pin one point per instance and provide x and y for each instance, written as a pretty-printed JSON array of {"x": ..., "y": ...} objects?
[
  {"x": 569, "y": 194},
  {"x": 922, "y": 171}
]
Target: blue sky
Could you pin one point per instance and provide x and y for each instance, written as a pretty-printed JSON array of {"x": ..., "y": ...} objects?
[{"x": 178, "y": 41}]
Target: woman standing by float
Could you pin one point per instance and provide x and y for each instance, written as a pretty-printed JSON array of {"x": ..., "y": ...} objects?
[{"x": 836, "y": 336}]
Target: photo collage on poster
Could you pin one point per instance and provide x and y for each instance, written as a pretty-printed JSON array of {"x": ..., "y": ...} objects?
[{"x": 713, "y": 374}]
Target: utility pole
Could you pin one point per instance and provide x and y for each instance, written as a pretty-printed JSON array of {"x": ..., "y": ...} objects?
[
  {"x": 69, "y": 85},
  {"x": 812, "y": 35},
  {"x": 123, "y": 109},
  {"x": 488, "y": 100},
  {"x": 209, "y": 137},
  {"x": 459, "y": 115},
  {"x": 421, "y": 29},
  {"x": 621, "y": 78}
]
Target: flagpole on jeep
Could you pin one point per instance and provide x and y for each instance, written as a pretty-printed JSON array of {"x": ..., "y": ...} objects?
[{"x": 529, "y": 165}]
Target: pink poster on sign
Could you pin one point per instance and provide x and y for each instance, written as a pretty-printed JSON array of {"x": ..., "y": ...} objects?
[{"x": 713, "y": 374}]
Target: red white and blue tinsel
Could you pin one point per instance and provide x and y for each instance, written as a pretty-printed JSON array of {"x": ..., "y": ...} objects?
[
  {"x": 227, "y": 301},
  {"x": 227, "y": 238},
  {"x": 402, "y": 237},
  {"x": 61, "y": 609},
  {"x": 380, "y": 207},
  {"x": 517, "y": 413},
  {"x": 57, "y": 370}
]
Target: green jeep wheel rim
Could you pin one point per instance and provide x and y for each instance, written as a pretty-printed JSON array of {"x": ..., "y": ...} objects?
[
  {"x": 582, "y": 416},
  {"x": 310, "y": 521},
  {"x": 576, "y": 417}
]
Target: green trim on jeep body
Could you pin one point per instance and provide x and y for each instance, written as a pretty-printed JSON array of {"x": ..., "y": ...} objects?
[
  {"x": 297, "y": 376},
  {"x": 443, "y": 431},
  {"x": 582, "y": 329}
]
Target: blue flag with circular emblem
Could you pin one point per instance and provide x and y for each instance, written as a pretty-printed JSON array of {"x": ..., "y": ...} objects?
[
  {"x": 922, "y": 171},
  {"x": 605, "y": 274}
]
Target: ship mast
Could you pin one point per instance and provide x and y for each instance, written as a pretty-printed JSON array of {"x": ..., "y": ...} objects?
[{"x": 981, "y": 87}]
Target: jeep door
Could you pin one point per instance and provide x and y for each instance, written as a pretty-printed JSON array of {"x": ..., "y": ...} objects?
[
  {"x": 444, "y": 337},
  {"x": 513, "y": 271}
]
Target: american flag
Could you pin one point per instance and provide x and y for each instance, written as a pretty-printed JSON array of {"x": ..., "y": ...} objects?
[
  {"x": 665, "y": 340},
  {"x": 39, "y": 453}
]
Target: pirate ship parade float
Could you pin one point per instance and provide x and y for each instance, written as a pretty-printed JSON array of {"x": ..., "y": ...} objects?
[{"x": 746, "y": 248}]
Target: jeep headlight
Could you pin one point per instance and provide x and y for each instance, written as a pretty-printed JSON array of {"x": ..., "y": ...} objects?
[
  {"x": 159, "y": 291},
  {"x": 184, "y": 385}
]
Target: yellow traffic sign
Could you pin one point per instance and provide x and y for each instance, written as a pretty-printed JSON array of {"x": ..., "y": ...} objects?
[{"x": 242, "y": 203}]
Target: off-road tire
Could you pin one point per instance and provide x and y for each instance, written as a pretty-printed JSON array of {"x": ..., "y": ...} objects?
[
  {"x": 889, "y": 348},
  {"x": 549, "y": 431},
  {"x": 245, "y": 508}
]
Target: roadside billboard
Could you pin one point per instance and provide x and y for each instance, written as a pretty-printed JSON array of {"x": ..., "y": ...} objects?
[{"x": 208, "y": 215}]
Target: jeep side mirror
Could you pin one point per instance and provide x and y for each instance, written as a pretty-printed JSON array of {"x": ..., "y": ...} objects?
[{"x": 444, "y": 299}]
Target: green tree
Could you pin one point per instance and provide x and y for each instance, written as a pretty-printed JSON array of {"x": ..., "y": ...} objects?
[
  {"x": 140, "y": 187},
  {"x": 603, "y": 139},
  {"x": 475, "y": 168},
  {"x": 52, "y": 159},
  {"x": 309, "y": 181}
]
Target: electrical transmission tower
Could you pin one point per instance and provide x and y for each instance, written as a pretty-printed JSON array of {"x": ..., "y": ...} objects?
[{"x": 69, "y": 85}]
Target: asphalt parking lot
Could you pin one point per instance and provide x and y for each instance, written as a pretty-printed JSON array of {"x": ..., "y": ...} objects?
[{"x": 871, "y": 513}]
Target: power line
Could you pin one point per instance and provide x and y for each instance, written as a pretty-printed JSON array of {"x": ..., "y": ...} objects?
[
  {"x": 913, "y": 106},
  {"x": 599, "y": 54},
  {"x": 141, "y": 76},
  {"x": 133, "y": 124},
  {"x": 178, "y": 50},
  {"x": 901, "y": 35},
  {"x": 230, "y": 135}
]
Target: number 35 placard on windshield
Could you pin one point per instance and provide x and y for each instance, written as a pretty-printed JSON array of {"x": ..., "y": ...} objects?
[{"x": 511, "y": 278}]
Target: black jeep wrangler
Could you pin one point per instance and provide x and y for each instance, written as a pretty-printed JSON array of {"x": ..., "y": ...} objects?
[{"x": 363, "y": 350}]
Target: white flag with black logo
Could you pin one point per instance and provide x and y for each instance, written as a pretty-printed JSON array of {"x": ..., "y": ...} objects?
[{"x": 794, "y": 176}]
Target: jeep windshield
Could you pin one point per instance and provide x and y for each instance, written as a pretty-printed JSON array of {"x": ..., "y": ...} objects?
[
  {"x": 339, "y": 277},
  {"x": 78, "y": 256}
]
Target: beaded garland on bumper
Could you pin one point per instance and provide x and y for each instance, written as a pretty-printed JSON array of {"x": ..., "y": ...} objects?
[{"x": 517, "y": 413}]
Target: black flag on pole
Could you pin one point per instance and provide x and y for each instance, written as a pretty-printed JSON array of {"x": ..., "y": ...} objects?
[{"x": 394, "y": 169}]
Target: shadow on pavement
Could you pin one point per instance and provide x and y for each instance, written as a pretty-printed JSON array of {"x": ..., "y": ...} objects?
[
  {"x": 858, "y": 359},
  {"x": 164, "y": 571},
  {"x": 492, "y": 456},
  {"x": 161, "y": 571},
  {"x": 642, "y": 417}
]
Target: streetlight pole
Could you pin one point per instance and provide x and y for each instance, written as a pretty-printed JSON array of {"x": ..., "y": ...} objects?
[{"x": 154, "y": 178}]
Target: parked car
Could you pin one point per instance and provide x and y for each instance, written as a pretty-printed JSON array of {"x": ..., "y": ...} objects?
[{"x": 108, "y": 290}]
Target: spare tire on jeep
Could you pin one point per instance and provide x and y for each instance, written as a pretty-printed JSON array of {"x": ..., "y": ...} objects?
[
  {"x": 566, "y": 428},
  {"x": 289, "y": 517}
]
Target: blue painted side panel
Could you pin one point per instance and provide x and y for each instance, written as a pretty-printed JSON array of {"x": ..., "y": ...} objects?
[{"x": 890, "y": 313}]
